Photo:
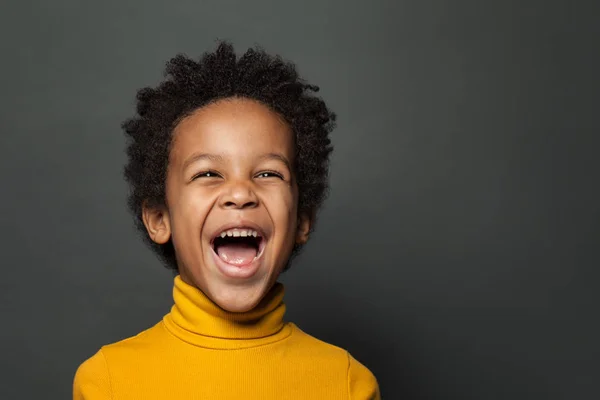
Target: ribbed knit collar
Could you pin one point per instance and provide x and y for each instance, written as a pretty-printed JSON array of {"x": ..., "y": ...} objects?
[{"x": 196, "y": 319}]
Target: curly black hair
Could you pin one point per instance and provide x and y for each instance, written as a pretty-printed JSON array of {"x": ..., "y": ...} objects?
[{"x": 190, "y": 85}]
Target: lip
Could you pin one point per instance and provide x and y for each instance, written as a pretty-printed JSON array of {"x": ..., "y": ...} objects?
[{"x": 244, "y": 271}]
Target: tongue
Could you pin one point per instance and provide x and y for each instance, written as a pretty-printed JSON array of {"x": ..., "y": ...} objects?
[{"x": 237, "y": 253}]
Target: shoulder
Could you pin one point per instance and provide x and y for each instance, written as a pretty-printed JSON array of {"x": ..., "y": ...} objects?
[
  {"x": 143, "y": 347},
  {"x": 143, "y": 339},
  {"x": 92, "y": 378},
  {"x": 315, "y": 347},
  {"x": 361, "y": 382}
]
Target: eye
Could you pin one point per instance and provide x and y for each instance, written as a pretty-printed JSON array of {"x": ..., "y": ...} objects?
[
  {"x": 269, "y": 174},
  {"x": 206, "y": 174}
]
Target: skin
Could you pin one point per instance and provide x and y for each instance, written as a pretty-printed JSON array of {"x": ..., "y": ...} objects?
[{"x": 239, "y": 139}]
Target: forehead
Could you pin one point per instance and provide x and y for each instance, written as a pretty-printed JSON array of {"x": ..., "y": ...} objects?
[{"x": 233, "y": 127}]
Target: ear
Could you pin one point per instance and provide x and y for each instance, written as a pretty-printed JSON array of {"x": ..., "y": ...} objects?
[
  {"x": 156, "y": 220},
  {"x": 305, "y": 222}
]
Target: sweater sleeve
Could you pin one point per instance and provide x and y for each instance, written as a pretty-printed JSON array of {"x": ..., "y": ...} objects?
[
  {"x": 92, "y": 381},
  {"x": 362, "y": 384}
]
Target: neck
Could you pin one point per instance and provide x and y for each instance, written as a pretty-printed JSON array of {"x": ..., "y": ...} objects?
[{"x": 196, "y": 319}]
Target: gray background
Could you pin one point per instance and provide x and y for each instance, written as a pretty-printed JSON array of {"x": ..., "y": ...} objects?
[{"x": 457, "y": 256}]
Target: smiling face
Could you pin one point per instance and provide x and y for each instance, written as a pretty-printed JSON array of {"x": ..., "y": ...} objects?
[{"x": 232, "y": 201}]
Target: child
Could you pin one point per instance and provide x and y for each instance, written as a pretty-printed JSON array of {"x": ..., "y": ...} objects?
[{"x": 227, "y": 165}]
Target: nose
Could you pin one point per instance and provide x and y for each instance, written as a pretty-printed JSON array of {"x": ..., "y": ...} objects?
[{"x": 238, "y": 195}]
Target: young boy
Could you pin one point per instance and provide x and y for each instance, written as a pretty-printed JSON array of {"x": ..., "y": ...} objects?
[{"x": 227, "y": 165}]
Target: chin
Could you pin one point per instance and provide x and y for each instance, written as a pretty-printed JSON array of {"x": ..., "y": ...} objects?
[
  {"x": 238, "y": 308},
  {"x": 239, "y": 299}
]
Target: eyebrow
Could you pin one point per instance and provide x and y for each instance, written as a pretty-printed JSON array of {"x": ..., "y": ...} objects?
[
  {"x": 219, "y": 158},
  {"x": 277, "y": 156},
  {"x": 202, "y": 156}
]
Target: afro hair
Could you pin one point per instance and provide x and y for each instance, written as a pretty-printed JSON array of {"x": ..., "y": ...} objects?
[{"x": 190, "y": 85}]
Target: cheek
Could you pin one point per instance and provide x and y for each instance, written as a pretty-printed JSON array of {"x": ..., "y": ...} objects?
[
  {"x": 191, "y": 209},
  {"x": 284, "y": 211}
]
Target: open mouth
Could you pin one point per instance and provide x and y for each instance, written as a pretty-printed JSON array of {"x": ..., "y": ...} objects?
[{"x": 238, "y": 246}]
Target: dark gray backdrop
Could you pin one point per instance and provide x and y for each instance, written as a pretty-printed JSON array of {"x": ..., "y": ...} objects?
[{"x": 457, "y": 256}]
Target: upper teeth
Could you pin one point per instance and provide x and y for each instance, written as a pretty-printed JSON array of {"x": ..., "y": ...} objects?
[{"x": 239, "y": 232}]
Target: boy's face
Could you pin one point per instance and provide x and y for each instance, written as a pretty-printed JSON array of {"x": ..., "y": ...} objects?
[{"x": 230, "y": 170}]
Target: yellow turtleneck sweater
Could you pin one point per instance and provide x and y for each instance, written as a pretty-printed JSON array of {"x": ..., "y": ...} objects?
[{"x": 200, "y": 351}]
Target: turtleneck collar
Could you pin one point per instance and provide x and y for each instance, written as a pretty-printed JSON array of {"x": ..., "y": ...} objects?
[{"x": 196, "y": 319}]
